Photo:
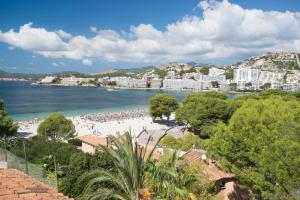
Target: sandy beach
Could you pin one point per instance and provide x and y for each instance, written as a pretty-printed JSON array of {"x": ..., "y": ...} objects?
[{"x": 102, "y": 124}]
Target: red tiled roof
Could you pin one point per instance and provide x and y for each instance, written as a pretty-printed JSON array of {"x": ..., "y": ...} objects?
[
  {"x": 193, "y": 155},
  {"x": 15, "y": 185},
  {"x": 211, "y": 168},
  {"x": 215, "y": 173},
  {"x": 94, "y": 140}
]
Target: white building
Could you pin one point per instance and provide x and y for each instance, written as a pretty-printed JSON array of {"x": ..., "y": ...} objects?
[
  {"x": 257, "y": 78},
  {"x": 185, "y": 84},
  {"x": 156, "y": 83},
  {"x": 48, "y": 79},
  {"x": 214, "y": 71},
  {"x": 74, "y": 81},
  {"x": 293, "y": 78},
  {"x": 171, "y": 75},
  {"x": 209, "y": 78},
  {"x": 245, "y": 75},
  {"x": 129, "y": 82},
  {"x": 291, "y": 86},
  {"x": 193, "y": 75}
]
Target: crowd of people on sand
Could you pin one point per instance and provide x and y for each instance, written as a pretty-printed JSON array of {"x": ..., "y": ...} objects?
[
  {"x": 89, "y": 123},
  {"x": 27, "y": 124},
  {"x": 115, "y": 116}
]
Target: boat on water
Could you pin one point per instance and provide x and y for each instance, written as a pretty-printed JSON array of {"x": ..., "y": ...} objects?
[{"x": 111, "y": 89}]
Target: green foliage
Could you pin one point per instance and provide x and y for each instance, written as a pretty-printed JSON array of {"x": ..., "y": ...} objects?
[
  {"x": 233, "y": 86},
  {"x": 81, "y": 163},
  {"x": 7, "y": 127},
  {"x": 37, "y": 149},
  {"x": 215, "y": 84},
  {"x": 229, "y": 73},
  {"x": 75, "y": 142},
  {"x": 168, "y": 180},
  {"x": 111, "y": 83},
  {"x": 204, "y": 70},
  {"x": 261, "y": 145},
  {"x": 202, "y": 111},
  {"x": 214, "y": 94},
  {"x": 249, "y": 84},
  {"x": 184, "y": 143},
  {"x": 266, "y": 86},
  {"x": 162, "y": 105},
  {"x": 128, "y": 180},
  {"x": 57, "y": 127},
  {"x": 161, "y": 73},
  {"x": 204, "y": 188}
]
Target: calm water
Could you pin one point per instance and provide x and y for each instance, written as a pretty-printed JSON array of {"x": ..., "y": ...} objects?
[{"x": 24, "y": 101}]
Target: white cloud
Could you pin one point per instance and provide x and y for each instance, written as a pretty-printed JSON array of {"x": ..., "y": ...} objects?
[
  {"x": 93, "y": 29},
  {"x": 87, "y": 62},
  {"x": 59, "y": 64},
  {"x": 223, "y": 31},
  {"x": 64, "y": 34},
  {"x": 55, "y": 64}
]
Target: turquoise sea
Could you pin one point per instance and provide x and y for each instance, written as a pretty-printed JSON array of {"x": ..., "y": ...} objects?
[{"x": 25, "y": 101}]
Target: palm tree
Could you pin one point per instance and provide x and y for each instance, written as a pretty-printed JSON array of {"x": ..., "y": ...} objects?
[
  {"x": 168, "y": 180},
  {"x": 127, "y": 181}
]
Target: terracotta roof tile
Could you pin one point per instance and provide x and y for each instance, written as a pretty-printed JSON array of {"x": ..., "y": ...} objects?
[
  {"x": 94, "y": 140},
  {"x": 15, "y": 185},
  {"x": 193, "y": 155},
  {"x": 215, "y": 173}
]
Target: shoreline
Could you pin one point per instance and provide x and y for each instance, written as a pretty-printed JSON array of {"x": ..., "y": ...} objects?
[
  {"x": 102, "y": 124},
  {"x": 70, "y": 113}
]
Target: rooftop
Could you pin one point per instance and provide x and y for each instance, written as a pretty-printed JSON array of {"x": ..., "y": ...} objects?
[
  {"x": 94, "y": 140},
  {"x": 15, "y": 185}
]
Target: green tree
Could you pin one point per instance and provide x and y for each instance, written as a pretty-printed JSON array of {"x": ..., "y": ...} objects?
[
  {"x": 215, "y": 84},
  {"x": 162, "y": 105},
  {"x": 57, "y": 127},
  {"x": 184, "y": 143},
  {"x": 261, "y": 145},
  {"x": 38, "y": 149},
  {"x": 233, "y": 86},
  {"x": 266, "y": 86},
  {"x": 249, "y": 84},
  {"x": 7, "y": 127},
  {"x": 128, "y": 182},
  {"x": 204, "y": 70},
  {"x": 203, "y": 111},
  {"x": 79, "y": 164},
  {"x": 229, "y": 73},
  {"x": 168, "y": 180}
]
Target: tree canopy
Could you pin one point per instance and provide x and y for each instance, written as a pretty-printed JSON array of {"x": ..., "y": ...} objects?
[
  {"x": 202, "y": 111},
  {"x": 261, "y": 145},
  {"x": 184, "y": 143},
  {"x": 7, "y": 127},
  {"x": 162, "y": 105},
  {"x": 57, "y": 127}
]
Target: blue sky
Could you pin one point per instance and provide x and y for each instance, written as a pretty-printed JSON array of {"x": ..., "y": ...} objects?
[{"x": 140, "y": 33}]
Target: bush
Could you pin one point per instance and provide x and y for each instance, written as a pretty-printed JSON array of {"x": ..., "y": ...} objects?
[
  {"x": 37, "y": 148},
  {"x": 75, "y": 142},
  {"x": 184, "y": 143}
]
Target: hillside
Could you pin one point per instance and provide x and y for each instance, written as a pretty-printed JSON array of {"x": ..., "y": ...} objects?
[{"x": 281, "y": 61}]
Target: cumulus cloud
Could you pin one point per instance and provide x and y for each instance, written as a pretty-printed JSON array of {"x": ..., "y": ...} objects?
[
  {"x": 223, "y": 31},
  {"x": 64, "y": 34},
  {"x": 59, "y": 64}
]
